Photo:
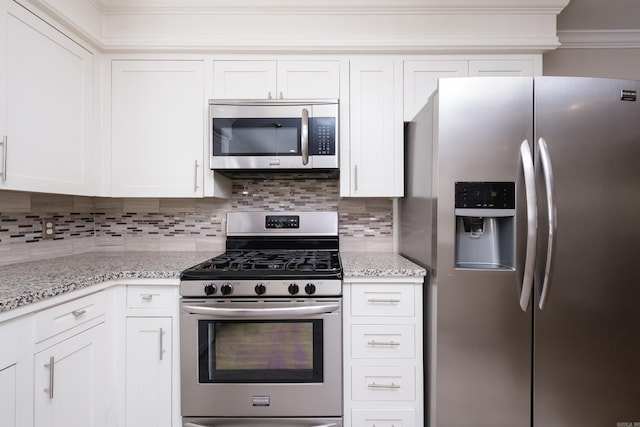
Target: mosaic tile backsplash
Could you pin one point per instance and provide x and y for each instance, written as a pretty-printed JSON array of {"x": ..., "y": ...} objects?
[{"x": 87, "y": 223}]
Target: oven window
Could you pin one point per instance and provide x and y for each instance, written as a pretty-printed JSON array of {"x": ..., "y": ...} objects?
[
  {"x": 266, "y": 351},
  {"x": 256, "y": 137}
]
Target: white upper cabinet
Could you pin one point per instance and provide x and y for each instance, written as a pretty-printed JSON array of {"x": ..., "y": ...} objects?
[
  {"x": 49, "y": 141},
  {"x": 375, "y": 146},
  {"x": 244, "y": 79},
  {"x": 421, "y": 76},
  {"x": 503, "y": 67},
  {"x": 421, "y": 79},
  {"x": 157, "y": 129},
  {"x": 276, "y": 79}
]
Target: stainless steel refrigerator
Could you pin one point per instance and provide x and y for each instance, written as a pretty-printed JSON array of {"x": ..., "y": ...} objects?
[{"x": 523, "y": 201}]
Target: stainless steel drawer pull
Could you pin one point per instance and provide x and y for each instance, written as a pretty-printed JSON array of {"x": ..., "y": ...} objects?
[
  {"x": 391, "y": 386},
  {"x": 50, "y": 365},
  {"x": 384, "y": 301},
  {"x": 161, "y": 343},
  {"x": 147, "y": 297},
  {"x": 80, "y": 312},
  {"x": 383, "y": 343},
  {"x": 3, "y": 174}
]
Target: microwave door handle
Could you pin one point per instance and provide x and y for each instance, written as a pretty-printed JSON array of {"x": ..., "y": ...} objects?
[{"x": 305, "y": 136}]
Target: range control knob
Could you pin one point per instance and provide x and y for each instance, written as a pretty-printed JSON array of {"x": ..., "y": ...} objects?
[
  {"x": 210, "y": 289},
  {"x": 310, "y": 288},
  {"x": 226, "y": 289},
  {"x": 260, "y": 289},
  {"x": 293, "y": 288}
]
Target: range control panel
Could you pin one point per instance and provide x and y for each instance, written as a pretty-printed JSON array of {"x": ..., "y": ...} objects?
[
  {"x": 282, "y": 221},
  {"x": 486, "y": 195}
]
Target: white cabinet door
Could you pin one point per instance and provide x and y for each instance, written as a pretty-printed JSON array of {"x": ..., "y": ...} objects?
[
  {"x": 148, "y": 367},
  {"x": 8, "y": 396},
  {"x": 244, "y": 79},
  {"x": 501, "y": 67},
  {"x": 421, "y": 79},
  {"x": 308, "y": 79},
  {"x": 49, "y": 108},
  {"x": 157, "y": 130},
  {"x": 70, "y": 381},
  {"x": 376, "y": 134},
  {"x": 276, "y": 79}
]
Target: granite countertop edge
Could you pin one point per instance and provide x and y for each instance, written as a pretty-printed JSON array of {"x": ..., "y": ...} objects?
[{"x": 25, "y": 283}]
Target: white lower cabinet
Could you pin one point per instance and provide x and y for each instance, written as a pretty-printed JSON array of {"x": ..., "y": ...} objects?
[
  {"x": 383, "y": 360},
  {"x": 148, "y": 371},
  {"x": 8, "y": 395},
  {"x": 150, "y": 365},
  {"x": 69, "y": 386}
]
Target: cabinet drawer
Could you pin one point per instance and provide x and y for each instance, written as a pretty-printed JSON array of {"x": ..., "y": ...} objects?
[
  {"x": 150, "y": 297},
  {"x": 383, "y": 383},
  {"x": 382, "y": 418},
  {"x": 389, "y": 300},
  {"x": 382, "y": 341},
  {"x": 63, "y": 317}
]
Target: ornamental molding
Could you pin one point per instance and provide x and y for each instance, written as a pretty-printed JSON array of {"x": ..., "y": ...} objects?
[{"x": 599, "y": 39}]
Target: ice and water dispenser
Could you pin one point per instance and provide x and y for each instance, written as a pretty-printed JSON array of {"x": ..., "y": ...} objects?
[{"x": 485, "y": 225}]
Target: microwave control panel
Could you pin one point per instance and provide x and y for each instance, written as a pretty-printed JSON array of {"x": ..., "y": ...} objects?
[{"x": 322, "y": 140}]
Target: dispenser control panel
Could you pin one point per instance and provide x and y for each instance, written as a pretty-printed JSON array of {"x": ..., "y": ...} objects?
[{"x": 486, "y": 195}]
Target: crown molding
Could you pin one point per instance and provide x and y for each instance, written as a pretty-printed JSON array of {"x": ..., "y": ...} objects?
[
  {"x": 599, "y": 39},
  {"x": 425, "y": 45},
  {"x": 186, "y": 7}
]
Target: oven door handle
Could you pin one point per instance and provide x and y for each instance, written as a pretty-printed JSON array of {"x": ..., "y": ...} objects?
[
  {"x": 202, "y": 425},
  {"x": 269, "y": 312}
]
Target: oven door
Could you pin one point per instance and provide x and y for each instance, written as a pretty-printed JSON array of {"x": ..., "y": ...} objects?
[{"x": 261, "y": 358}]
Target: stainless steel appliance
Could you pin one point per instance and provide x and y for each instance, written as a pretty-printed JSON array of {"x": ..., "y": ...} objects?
[
  {"x": 273, "y": 135},
  {"x": 261, "y": 325},
  {"x": 523, "y": 202}
]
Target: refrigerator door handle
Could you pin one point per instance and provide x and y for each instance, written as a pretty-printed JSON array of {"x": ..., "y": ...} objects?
[
  {"x": 547, "y": 170},
  {"x": 532, "y": 224}
]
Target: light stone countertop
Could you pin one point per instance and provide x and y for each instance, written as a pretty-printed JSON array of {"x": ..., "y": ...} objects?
[
  {"x": 25, "y": 283},
  {"x": 378, "y": 264},
  {"x": 29, "y": 282}
]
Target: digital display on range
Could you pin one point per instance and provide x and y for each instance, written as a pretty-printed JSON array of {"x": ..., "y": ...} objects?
[
  {"x": 282, "y": 221},
  {"x": 487, "y": 195}
]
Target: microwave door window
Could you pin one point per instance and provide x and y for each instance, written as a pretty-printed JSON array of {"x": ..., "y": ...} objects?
[{"x": 256, "y": 137}]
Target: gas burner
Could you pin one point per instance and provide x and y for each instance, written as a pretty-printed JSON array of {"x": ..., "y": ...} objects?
[{"x": 267, "y": 258}]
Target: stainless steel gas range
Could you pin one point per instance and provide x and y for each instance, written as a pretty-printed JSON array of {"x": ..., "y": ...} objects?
[{"x": 261, "y": 325}]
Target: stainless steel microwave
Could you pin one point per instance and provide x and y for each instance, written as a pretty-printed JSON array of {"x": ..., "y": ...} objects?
[{"x": 273, "y": 134}]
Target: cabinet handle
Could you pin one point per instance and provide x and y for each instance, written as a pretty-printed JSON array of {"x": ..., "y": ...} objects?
[
  {"x": 195, "y": 181},
  {"x": 383, "y": 343},
  {"x": 391, "y": 386},
  {"x": 281, "y": 97},
  {"x": 384, "y": 301},
  {"x": 80, "y": 312},
  {"x": 161, "y": 343},
  {"x": 50, "y": 365},
  {"x": 269, "y": 96},
  {"x": 355, "y": 178},
  {"x": 147, "y": 297},
  {"x": 3, "y": 174}
]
